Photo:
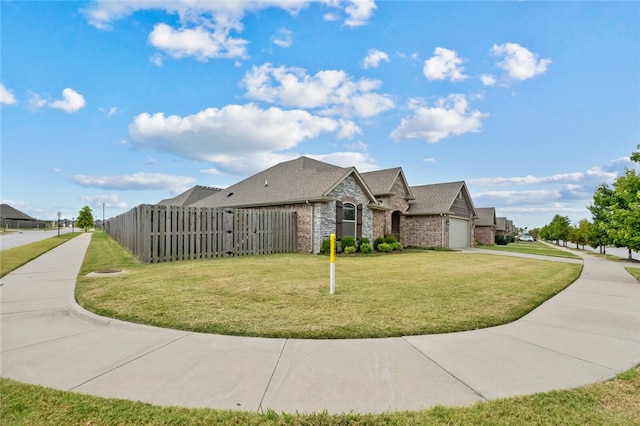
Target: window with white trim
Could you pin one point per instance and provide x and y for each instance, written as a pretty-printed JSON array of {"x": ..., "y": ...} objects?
[{"x": 348, "y": 220}]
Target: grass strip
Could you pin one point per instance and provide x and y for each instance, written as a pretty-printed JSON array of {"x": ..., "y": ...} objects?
[
  {"x": 13, "y": 258},
  {"x": 287, "y": 295},
  {"x": 613, "y": 402},
  {"x": 536, "y": 247}
]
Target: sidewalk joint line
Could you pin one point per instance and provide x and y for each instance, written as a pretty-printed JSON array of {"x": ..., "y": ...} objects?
[
  {"x": 273, "y": 373},
  {"x": 445, "y": 370},
  {"x": 130, "y": 361}
]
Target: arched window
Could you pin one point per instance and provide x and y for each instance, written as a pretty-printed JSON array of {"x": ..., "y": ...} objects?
[{"x": 348, "y": 220}]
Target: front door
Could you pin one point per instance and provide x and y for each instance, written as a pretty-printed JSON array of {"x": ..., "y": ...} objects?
[{"x": 395, "y": 224}]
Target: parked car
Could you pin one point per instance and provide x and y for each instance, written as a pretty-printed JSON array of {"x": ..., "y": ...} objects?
[{"x": 526, "y": 238}]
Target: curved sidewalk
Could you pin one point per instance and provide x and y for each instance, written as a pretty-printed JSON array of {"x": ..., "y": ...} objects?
[{"x": 587, "y": 333}]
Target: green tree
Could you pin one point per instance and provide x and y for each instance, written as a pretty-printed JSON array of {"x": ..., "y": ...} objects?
[
  {"x": 559, "y": 229},
  {"x": 580, "y": 233},
  {"x": 601, "y": 211},
  {"x": 85, "y": 218},
  {"x": 625, "y": 217},
  {"x": 616, "y": 211}
]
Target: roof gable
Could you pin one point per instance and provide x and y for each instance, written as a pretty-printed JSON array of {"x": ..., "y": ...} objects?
[
  {"x": 486, "y": 216},
  {"x": 439, "y": 198},
  {"x": 190, "y": 196},
  {"x": 501, "y": 223},
  {"x": 381, "y": 182}
]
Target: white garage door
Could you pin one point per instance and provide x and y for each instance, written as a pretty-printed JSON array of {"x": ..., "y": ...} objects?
[{"x": 458, "y": 233}]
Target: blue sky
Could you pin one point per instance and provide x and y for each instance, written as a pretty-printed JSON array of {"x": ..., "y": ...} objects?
[{"x": 532, "y": 104}]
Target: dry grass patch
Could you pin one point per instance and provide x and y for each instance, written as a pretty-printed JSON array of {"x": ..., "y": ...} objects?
[{"x": 288, "y": 295}]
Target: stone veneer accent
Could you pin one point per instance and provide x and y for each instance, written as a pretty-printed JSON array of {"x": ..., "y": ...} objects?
[{"x": 324, "y": 215}]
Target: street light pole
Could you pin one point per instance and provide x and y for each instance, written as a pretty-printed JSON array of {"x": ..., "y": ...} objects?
[{"x": 103, "y": 216}]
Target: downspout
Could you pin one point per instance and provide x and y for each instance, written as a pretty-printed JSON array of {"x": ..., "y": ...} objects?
[{"x": 442, "y": 222}]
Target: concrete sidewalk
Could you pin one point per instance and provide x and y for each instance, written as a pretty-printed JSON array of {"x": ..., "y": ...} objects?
[{"x": 587, "y": 333}]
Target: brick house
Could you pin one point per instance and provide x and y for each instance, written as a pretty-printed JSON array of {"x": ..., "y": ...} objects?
[
  {"x": 441, "y": 215},
  {"x": 330, "y": 199},
  {"x": 485, "y": 226}
]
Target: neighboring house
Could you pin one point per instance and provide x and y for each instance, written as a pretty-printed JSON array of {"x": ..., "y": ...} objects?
[
  {"x": 14, "y": 218},
  {"x": 501, "y": 226},
  {"x": 485, "y": 226},
  {"x": 441, "y": 215},
  {"x": 190, "y": 196},
  {"x": 330, "y": 199}
]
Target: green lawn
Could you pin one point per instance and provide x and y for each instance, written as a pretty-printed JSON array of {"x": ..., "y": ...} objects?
[
  {"x": 287, "y": 295},
  {"x": 614, "y": 402},
  {"x": 534, "y": 247},
  {"x": 14, "y": 258},
  {"x": 634, "y": 271}
]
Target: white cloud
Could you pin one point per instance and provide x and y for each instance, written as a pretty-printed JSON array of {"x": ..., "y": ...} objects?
[
  {"x": 136, "y": 181},
  {"x": 156, "y": 59},
  {"x": 282, "y": 38},
  {"x": 444, "y": 65},
  {"x": 232, "y": 130},
  {"x": 110, "y": 112},
  {"x": 488, "y": 80},
  {"x": 594, "y": 175},
  {"x": 357, "y": 146},
  {"x": 374, "y": 57},
  {"x": 198, "y": 42},
  {"x": 518, "y": 61},
  {"x": 35, "y": 101},
  {"x": 56, "y": 170},
  {"x": 6, "y": 96},
  {"x": 430, "y": 160},
  {"x": 205, "y": 27},
  {"x": 71, "y": 101},
  {"x": 110, "y": 201},
  {"x": 102, "y": 13},
  {"x": 449, "y": 117},
  {"x": 331, "y": 90},
  {"x": 512, "y": 197},
  {"x": 360, "y": 160},
  {"x": 359, "y": 12},
  {"x": 211, "y": 171}
]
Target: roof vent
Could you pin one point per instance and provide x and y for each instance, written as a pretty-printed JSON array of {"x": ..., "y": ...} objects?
[
  {"x": 266, "y": 183},
  {"x": 229, "y": 194}
]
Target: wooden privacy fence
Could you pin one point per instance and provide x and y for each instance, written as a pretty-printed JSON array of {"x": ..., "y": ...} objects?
[{"x": 157, "y": 233}]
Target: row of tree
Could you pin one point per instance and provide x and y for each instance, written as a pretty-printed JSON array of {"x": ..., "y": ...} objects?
[{"x": 615, "y": 214}]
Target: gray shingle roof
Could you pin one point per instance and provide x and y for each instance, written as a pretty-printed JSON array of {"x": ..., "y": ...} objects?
[
  {"x": 486, "y": 216},
  {"x": 290, "y": 182},
  {"x": 190, "y": 196},
  {"x": 9, "y": 212},
  {"x": 381, "y": 181},
  {"x": 436, "y": 198},
  {"x": 501, "y": 223}
]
